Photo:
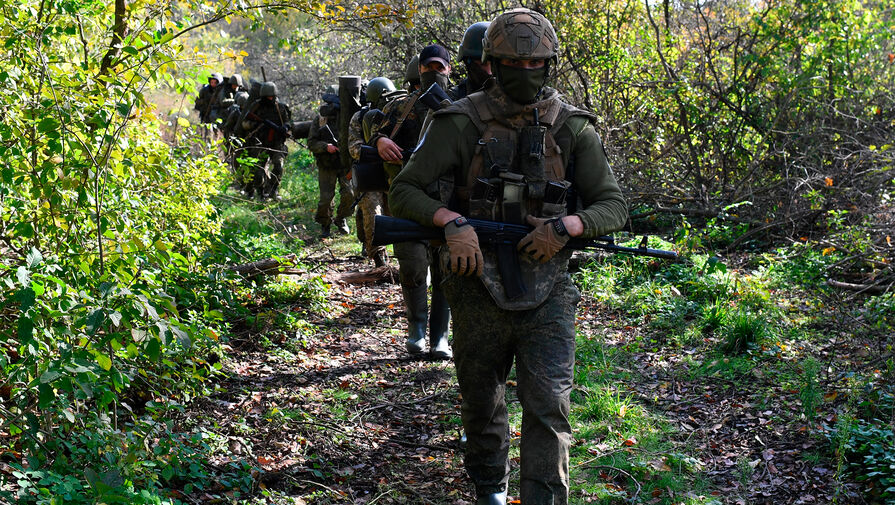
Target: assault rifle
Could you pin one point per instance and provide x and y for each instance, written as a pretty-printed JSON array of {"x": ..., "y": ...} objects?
[
  {"x": 391, "y": 230},
  {"x": 281, "y": 129}
]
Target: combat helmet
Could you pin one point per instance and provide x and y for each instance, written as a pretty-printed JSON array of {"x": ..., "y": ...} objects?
[
  {"x": 520, "y": 34},
  {"x": 377, "y": 87},
  {"x": 269, "y": 88},
  {"x": 236, "y": 79},
  {"x": 471, "y": 46},
  {"x": 412, "y": 73},
  {"x": 255, "y": 90}
]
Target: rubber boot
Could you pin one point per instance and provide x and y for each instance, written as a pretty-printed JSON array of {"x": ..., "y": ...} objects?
[
  {"x": 342, "y": 226},
  {"x": 415, "y": 300},
  {"x": 439, "y": 325},
  {"x": 492, "y": 499}
]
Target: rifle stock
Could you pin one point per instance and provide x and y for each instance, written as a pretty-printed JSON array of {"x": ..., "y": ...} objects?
[
  {"x": 392, "y": 230},
  {"x": 281, "y": 129}
]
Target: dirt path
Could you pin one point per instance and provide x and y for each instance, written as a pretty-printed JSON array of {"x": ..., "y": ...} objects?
[{"x": 343, "y": 415}]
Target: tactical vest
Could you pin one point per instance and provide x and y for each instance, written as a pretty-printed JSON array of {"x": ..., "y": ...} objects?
[{"x": 517, "y": 169}]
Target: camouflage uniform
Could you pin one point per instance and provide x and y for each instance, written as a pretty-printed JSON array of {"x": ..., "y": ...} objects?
[
  {"x": 266, "y": 144},
  {"x": 416, "y": 260},
  {"x": 324, "y": 130},
  {"x": 204, "y": 100},
  {"x": 491, "y": 329},
  {"x": 370, "y": 204}
]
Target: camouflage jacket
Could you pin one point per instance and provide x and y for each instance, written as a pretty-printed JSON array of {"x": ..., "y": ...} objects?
[
  {"x": 258, "y": 131},
  {"x": 324, "y": 131}
]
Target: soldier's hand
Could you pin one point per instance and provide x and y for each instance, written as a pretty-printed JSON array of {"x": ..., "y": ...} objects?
[
  {"x": 547, "y": 238},
  {"x": 332, "y": 149},
  {"x": 388, "y": 150},
  {"x": 463, "y": 246}
]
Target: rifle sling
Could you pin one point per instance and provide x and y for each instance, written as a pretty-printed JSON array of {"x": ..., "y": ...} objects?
[
  {"x": 510, "y": 271},
  {"x": 404, "y": 113}
]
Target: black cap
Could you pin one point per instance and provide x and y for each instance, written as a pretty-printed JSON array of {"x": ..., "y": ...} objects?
[{"x": 435, "y": 53}]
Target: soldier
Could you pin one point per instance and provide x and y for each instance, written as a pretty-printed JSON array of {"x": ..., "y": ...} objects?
[
  {"x": 396, "y": 133},
  {"x": 372, "y": 203},
  {"x": 516, "y": 153},
  {"x": 206, "y": 94},
  {"x": 268, "y": 122},
  {"x": 477, "y": 71},
  {"x": 226, "y": 95},
  {"x": 233, "y": 142},
  {"x": 323, "y": 142}
]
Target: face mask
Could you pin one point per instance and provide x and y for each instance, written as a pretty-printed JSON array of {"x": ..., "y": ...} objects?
[
  {"x": 433, "y": 76},
  {"x": 521, "y": 84},
  {"x": 476, "y": 76}
]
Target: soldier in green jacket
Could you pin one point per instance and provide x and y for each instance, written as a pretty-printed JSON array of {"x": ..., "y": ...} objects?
[
  {"x": 514, "y": 152},
  {"x": 396, "y": 133},
  {"x": 323, "y": 142}
]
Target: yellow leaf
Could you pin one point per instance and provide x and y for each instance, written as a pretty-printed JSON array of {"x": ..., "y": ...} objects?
[
  {"x": 829, "y": 250},
  {"x": 183, "y": 122}
]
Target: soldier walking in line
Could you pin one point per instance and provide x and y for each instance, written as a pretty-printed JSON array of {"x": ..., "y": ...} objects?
[
  {"x": 513, "y": 152},
  {"x": 323, "y": 143},
  {"x": 372, "y": 203},
  {"x": 397, "y": 133},
  {"x": 477, "y": 71},
  {"x": 268, "y": 123},
  {"x": 205, "y": 98}
]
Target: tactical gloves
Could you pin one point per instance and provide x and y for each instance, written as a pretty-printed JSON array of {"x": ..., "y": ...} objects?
[
  {"x": 547, "y": 238},
  {"x": 463, "y": 246}
]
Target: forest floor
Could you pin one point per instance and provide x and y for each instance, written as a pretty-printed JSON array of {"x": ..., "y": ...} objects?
[{"x": 318, "y": 394}]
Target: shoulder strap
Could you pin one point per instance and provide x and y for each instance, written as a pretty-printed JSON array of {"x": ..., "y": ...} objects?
[{"x": 404, "y": 113}]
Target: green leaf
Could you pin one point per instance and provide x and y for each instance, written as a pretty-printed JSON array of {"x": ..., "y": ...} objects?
[
  {"x": 153, "y": 349},
  {"x": 24, "y": 276},
  {"x": 46, "y": 395},
  {"x": 116, "y": 318},
  {"x": 94, "y": 320},
  {"x": 25, "y": 328},
  {"x": 130, "y": 50},
  {"x": 49, "y": 376},
  {"x": 104, "y": 361},
  {"x": 34, "y": 258}
]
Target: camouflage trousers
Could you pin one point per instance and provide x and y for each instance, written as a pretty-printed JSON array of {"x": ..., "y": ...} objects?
[
  {"x": 541, "y": 341},
  {"x": 373, "y": 204},
  {"x": 327, "y": 180},
  {"x": 267, "y": 171}
]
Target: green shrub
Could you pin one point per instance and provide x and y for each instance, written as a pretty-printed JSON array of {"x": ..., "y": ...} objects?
[{"x": 744, "y": 330}]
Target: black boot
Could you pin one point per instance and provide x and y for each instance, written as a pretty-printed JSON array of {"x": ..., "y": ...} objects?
[
  {"x": 415, "y": 300},
  {"x": 439, "y": 325}
]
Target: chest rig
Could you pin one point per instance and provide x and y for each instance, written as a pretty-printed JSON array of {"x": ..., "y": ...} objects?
[{"x": 517, "y": 169}]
